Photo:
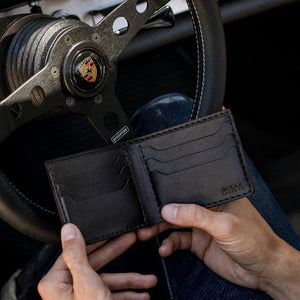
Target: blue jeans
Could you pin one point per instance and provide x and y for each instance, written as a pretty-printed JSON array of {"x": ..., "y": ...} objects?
[{"x": 187, "y": 276}]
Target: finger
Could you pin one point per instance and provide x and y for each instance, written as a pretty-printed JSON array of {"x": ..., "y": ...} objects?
[
  {"x": 93, "y": 247},
  {"x": 85, "y": 280},
  {"x": 216, "y": 224},
  {"x": 131, "y": 296},
  {"x": 74, "y": 249},
  {"x": 147, "y": 233},
  {"x": 111, "y": 250},
  {"x": 74, "y": 253},
  {"x": 176, "y": 241},
  {"x": 126, "y": 281}
]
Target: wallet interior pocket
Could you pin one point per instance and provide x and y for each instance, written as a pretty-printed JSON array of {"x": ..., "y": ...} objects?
[{"x": 119, "y": 210}]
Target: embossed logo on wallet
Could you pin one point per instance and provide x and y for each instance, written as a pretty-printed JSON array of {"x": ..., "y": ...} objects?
[{"x": 231, "y": 189}]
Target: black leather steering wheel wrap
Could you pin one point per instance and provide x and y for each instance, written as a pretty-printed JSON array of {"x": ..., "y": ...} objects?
[
  {"x": 44, "y": 225},
  {"x": 211, "y": 57}
]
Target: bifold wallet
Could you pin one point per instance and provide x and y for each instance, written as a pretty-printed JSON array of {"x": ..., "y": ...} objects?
[{"x": 120, "y": 188}]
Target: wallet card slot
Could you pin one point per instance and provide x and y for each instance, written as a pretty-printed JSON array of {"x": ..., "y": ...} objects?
[
  {"x": 159, "y": 149},
  {"x": 186, "y": 155},
  {"x": 111, "y": 164},
  {"x": 94, "y": 174},
  {"x": 206, "y": 184},
  {"x": 99, "y": 187},
  {"x": 191, "y": 161},
  {"x": 186, "y": 132},
  {"x": 190, "y": 147},
  {"x": 101, "y": 193}
]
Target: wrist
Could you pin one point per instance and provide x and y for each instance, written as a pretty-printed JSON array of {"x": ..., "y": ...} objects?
[{"x": 283, "y": 278}]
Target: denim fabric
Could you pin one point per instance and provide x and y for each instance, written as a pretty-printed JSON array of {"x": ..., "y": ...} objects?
[
  {"x": 189, "y": 278},
  {"x": 161, "y": 113}
]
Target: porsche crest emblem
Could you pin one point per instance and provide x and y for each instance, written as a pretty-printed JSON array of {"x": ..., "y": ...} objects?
[{"x": 88, "y": 70}]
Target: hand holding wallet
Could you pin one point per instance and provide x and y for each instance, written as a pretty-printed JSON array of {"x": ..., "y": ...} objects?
[{"x": 113, "y": 190}]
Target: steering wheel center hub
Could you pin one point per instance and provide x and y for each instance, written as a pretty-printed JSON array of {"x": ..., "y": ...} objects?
[
  {"x": 85, "y": 71},
  {"x": 88, "y": 71}
]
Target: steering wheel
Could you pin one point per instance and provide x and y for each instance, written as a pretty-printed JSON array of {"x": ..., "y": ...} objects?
[{"x": 67, "y": 64}]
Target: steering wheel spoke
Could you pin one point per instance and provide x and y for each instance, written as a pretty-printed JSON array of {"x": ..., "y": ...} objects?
[
  {"x": 37, "y": 96},
  {"x": 112, "y": 124},
  {"x": 108, "y": 118},
  {"x": 117, "y": 29}
]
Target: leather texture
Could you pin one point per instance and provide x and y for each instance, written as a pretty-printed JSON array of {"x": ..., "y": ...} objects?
[
  {"x": 122, "y": 188},
  {"x": 29, "y": 217}
]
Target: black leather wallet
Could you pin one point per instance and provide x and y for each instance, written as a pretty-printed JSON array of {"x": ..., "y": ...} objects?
[{"x": 121, "y": 188}]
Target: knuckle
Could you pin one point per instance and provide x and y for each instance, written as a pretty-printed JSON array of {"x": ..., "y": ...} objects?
[
  {"x": 42, "y": 287},
  {"x": 128, "y": 281},
  {"x": 198, "y": 215}
]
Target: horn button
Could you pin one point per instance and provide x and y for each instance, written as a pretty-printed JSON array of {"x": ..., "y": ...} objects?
[{"x": 85, "y": 72}]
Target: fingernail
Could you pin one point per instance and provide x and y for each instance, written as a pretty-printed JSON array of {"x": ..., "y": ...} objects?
[
  {"x": 68, "y": 232},
  {"x": 170, "y": 211}
]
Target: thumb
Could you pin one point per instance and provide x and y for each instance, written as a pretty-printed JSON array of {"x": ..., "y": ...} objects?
[
  {"x": 74, "y": 252},
  {"x": 217, "y": 224},
  {"x": 86, "y": 282}
]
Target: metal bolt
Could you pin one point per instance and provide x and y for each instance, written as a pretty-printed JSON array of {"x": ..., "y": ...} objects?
[
  {"x": 98, "y": 99},
  {"x": 37, "y": 96},
  {"x": 96, "y": 37},
  {"x": 68, "y": 40},
  {"x": 55, "y": 72},
  {"x": 70, "y": 101}
]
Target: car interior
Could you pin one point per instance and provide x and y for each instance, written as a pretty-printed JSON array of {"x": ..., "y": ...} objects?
[{"x": 262, "y": 91}]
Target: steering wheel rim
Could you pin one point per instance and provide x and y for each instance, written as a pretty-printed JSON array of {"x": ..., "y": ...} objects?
[{"x": 44, "y": 225}]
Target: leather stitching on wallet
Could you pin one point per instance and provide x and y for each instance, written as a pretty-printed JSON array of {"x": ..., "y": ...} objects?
[
  {"x": 239, "y": 150},
  {"x": 59, "y": 196}
]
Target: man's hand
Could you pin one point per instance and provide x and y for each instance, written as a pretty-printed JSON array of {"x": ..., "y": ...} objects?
[
  {"x": 73, "y": 276},
  {"x": 236, "y": 243}
]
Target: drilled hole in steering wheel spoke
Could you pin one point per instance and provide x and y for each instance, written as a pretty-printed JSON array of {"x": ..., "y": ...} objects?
[
  {"x": 141, "y": 6},
  {"x": 120, "y": 26},
  {"x": 16, "y": 110}
]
